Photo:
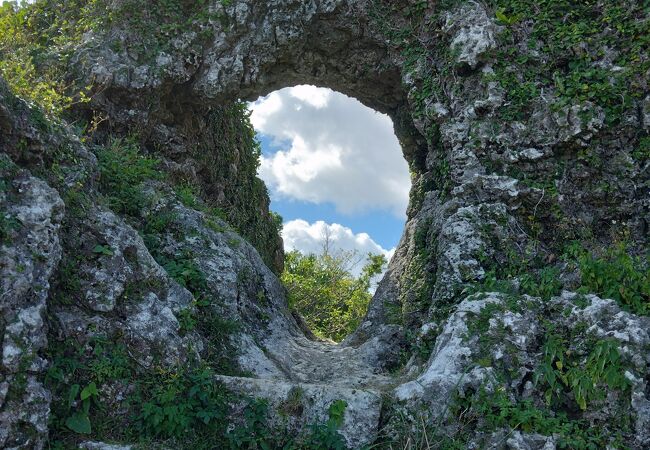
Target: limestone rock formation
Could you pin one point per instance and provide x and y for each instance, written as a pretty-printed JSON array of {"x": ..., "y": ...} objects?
[{"x": 138, "y": 260}]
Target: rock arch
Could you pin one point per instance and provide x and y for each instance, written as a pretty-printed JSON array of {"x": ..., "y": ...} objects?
[
  {"x": 255, "y": 48},
  {"x": 505, "y": 170}
]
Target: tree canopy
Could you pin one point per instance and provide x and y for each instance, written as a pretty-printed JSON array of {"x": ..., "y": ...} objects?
[{"x": 324, "y": 290}]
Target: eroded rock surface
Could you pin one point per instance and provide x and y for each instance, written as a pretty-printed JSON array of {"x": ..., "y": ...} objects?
[
  {"x": 518, "y": 176},
  {"x": 30, "y": 251}
]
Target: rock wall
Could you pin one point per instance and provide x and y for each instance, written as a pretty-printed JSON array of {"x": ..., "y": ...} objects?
[{"x": 513, "y": 315}]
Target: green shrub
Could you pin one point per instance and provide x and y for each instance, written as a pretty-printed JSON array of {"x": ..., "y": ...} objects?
[
  {"x": 256, "y": 433},
  {"x": 177, "y": 401},
  {"x": 496, "y": 410},
  {"x": 544, "y": 284},
  {"x": 184, "y": 270},
  {"x": 616, "y": 275},
  {"x": 323, "y": 290},
  {"x": 562, "y": 372},
  {"x": 8, "y": 225},
  {"x": 326, "y": 436},
  {"x": 186, "y": 321},
  {"x": 122, "y": 170},
  {"x": 219, "y": 351},
  {"x": 238, "y": 196},
  {"x": 36, "y": 41},
  {"x": 77, "y": 375}
]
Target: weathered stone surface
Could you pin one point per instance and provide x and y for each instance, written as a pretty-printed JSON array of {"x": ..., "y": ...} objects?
[
  {"x": 29, "y": 253},
  {"x": 103, "y": 446},
  {"x": 147, "y": 320},
  {"x": 459, "y": 363},
  {"x": 295, "y": 405},
  {"x": 494, "y": 188},
  {"x": 473, "y": 33}
]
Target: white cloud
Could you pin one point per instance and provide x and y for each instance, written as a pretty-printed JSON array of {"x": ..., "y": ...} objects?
[
  {"x": 310, "y": 238},
  {"x": 334, "y": 149},
  {"x": 316, "y": 97}
]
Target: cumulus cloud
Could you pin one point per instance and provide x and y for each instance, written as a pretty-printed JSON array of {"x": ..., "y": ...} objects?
[
  {"x": 311, "y": 237},
  {"x": 333, "y": 149}
]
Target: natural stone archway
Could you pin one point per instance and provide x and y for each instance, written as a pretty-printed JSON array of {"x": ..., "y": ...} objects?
[
  {"x": 167, "y": 96},
  {"x": 263, "y": 47},
  {"x": 254, "y": 48},
  {"x": 509, "y": 166}
]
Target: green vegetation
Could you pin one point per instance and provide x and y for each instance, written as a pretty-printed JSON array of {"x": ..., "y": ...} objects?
[
  {"x": 164, "y": 402},
  {"x": 562, "y": 372},
  {"x": 616, "y": 275},
  {"x": 36, "y": 42},
  {"x": 322, "y": 289},
  {"x": 79, "y": 421},
  {"x": 492, "y": 410},
  {"x": 326, "y": 436},
  {"x": 228, "y": 157},
  {"x": 90, "y": 366},
  {"x": 642, "y": 153},
  {"x": 542, "y": 283},
  {"x": 158, "y": 23},
  {"x": 182, "y": 406},
  {"x": 177, "y": 401},
  {"x": 568, "y": 37},
  {"x": 38, "y": 39},
  {"x": 575, "y": 371},
  {"x": 572, "y": 37},
  {"x": 122, "y": 170},
  {"x": 8, "y": 225},
  {"x": 256, "y": 433},
  {"x": 205, "y": 314}
]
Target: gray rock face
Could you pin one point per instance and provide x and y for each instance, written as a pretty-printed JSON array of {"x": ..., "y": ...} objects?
[
  {"x": 473, "y": 33},
  {"x": 300, "y": 404},
  {"x": 497, "y": 193},
  {"x": 459, "y": 362},
  {"x": 29, "y": 253}
]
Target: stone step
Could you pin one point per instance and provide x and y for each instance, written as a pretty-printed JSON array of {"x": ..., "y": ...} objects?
[{"x": 298, "y": 405}]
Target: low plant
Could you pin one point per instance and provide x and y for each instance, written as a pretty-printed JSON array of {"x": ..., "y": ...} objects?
[
  {"x": 122, "y": 170},
  {"x": 79, "y": 420},
  {"x": 495, "y": 409},
  {"x": 77, "y": 375},
  {"x": 562, "y": 372},
  {"x": 176, "y": 401},
  {"x": 185, "y": 271},
  {"x": 616, "y": 274},
  {"x": 8, "y": 225},
  {"x": 325, "y": 436},
  {"x": 187, "y": 320}
]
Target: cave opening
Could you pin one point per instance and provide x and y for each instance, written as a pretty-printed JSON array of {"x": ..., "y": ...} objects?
[{"x": 340, "y": 183}]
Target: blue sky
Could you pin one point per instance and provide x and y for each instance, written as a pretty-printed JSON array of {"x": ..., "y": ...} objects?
[
  {"x": 383, "y": 226},
  {"x": 334, "y": 168}
]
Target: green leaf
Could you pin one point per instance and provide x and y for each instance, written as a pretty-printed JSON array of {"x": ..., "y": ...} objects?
[
  {"x": 501, "y": 16},
  {"x": 72, "y": 394},
  {"x": 337, "y": 411},
  {"x": 88, "y": 391},
  {"x": 103, "y": 250},
  {"x": 79, "y": 423}
]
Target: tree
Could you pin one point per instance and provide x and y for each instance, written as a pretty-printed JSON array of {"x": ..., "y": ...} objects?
[{"x": 324, "y": 291}]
